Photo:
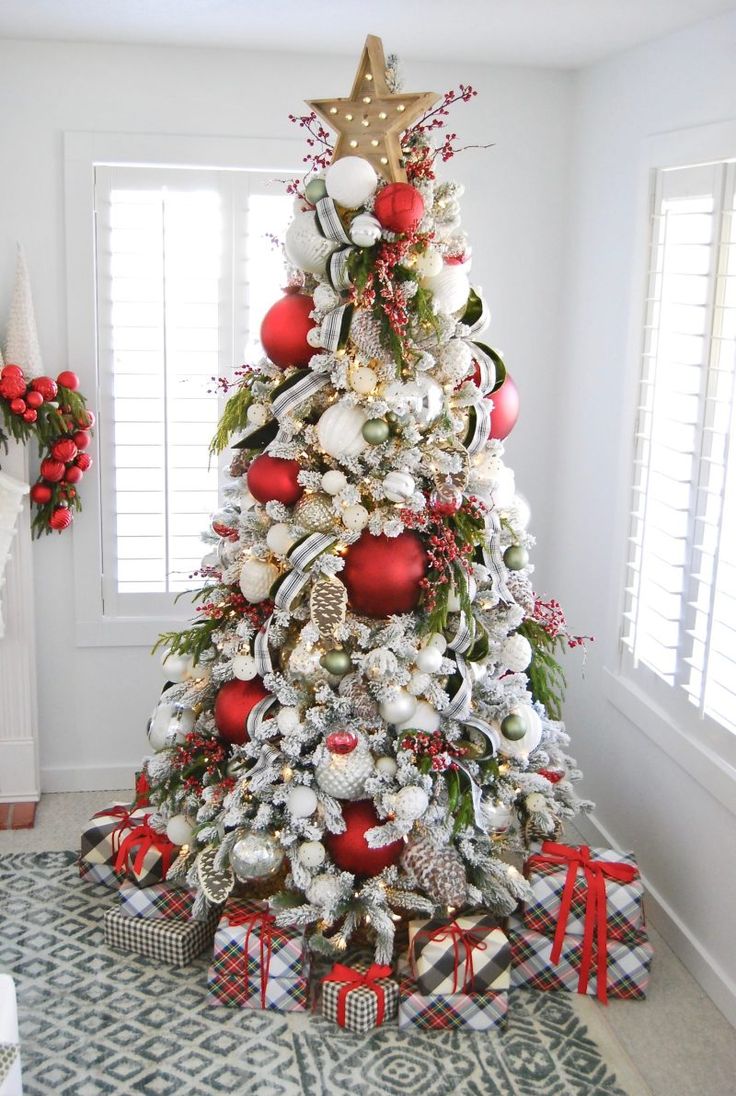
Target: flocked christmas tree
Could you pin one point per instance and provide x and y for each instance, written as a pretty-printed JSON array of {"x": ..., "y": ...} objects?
[{"x": 363, "y": 717}]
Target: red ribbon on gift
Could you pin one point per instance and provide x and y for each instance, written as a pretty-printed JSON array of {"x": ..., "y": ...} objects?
[
  {"x": 353, "y": 979},
  {"x": 468, "y": 940},
  {"x": 144, "y": 838},
  {"x": 268, "y": 931},
  {"x": 125, "y": 814},
  {"x": 596, "y": 873}
]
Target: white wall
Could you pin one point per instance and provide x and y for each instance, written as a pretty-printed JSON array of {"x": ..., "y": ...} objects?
[
  {"x": 93, "y": 702},
  {"x": 683, "y": 834}
]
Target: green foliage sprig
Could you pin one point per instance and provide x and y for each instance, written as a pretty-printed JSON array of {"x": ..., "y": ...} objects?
[{"x": 546, "y": 676}]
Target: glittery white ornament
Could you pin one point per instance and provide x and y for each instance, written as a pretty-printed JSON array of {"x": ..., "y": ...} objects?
[
  {"x": 363, "y": 380},
  {"x": 410, "y": 803},
  {"x": 424, "y": 718},
  {"x": 516, "y": 653},
  {"x": 257, "y": 414},
  {"x": 334, "y": 481},
  {"x": 256, "y": 579},
  {"x": 315, "y": 513},
  {"x": 450, "y": 289},
  {"x": 179, "y": 830},
  {"x": 325, "y": 890},
  {"x": 365, "y": 230},
  {"x": 244, "y": 667},
  {"x": 401, "y": 708},
  {"x": 429, "y": 263},
  {"x": 399, "y": 486},
  {"x": 429, "y": 660},
  {"x": 386, "y": 766},
  {"x": 343, "y": 776},
  {"x": 325, "y": 298},
  {"x": 305, "y": 245},
  {"x": 339, "y": 430},
  {"x": 311, "y": 854},
  {"x": 380, "y": 664},
  {"x": 279, "y": 539},
  {"x": 301, "y": 801},
  {"x": 418, "y": 683},
  {"x": 535, "y": 801},
  {"x": 351, "y": 181},
  {"x": 355, "y": 517},
  {"x": 456, "y": 359},
  {"x": 288, "y": 720}
]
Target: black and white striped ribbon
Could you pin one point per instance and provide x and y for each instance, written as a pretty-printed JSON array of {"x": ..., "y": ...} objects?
[
  {"x": 303, "y": 390},
  {"x": 261, "y": 653},
  {"x": 460, "y": 704},
  {"x": 329, "y": 223},
  {"x": 336, "y": 327},
  {"x": 486, "y": 367},
  {"x": 483, "y": 319},
  {"x": 493, "y": 556},
  {"x": 480, "y": 426},
  {"x": 462, "y": 641},
  {"x": 257, "y": 715},
  {"x": 305, "y": 551},
  {"x": 289, "y": 589},
  {"x": 337, "y": 269},
  {"x": 489, "y": 733}
]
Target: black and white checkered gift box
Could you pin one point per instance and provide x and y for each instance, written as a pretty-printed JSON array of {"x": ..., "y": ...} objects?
[
  {"x": 175, "y": 943},
  {"x": 355, "y": 1005}
]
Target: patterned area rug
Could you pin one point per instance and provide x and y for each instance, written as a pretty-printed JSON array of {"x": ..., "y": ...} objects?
[{"x": 94, "y": 1022}]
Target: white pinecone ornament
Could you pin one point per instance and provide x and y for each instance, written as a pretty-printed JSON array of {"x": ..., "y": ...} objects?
[
  {"x": 437, "y": 869},
  {"x": 349, "y": 765}
]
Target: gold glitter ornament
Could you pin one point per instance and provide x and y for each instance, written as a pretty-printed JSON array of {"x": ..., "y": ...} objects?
[{"x": 316, "y": 513}]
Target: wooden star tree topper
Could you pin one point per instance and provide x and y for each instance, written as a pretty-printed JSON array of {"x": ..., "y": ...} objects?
[{"x": 370, "y": 121}]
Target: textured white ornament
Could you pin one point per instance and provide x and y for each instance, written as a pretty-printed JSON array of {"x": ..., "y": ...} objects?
[
  {"x": 334, "y": 481},
  {"x": 523, "y": 746},
  {"x": 257, "y": 414},
  {"x": 256, "y": 579},
  {"x": 436, "y": 639},
  {"x": 351, "y": 181},
  {"x": 386, "y": 766},
  {"x": 288, "y": 720},
  {"x": 363, "y": 380},
  {"x": 325, "y": 298},
  {"x": 301, "y": 801},
  {"x": 343, "y": 776},
  {"x": 177, "y": 668},
  {"x": 450, "y": 289},
  {"x": 424, "y": 718},
  {"x": 325, "y": 890},
  {"x": 179, "y": 830},
  {"x": 456, "y": 359},
  {"x": 365, "y": 230},
  {"x": 429, "y": 660},
  {"x": 535, "y": 801},
  {"x": 418, "y": 683},
  {"x": 279, "y": 538},
  {"x": 355, "y": 517},
  {"x": 401, "y": 708},
  {"x": 429, "y": 263},
  {"x": 244, "y": 667},
  {"x": 311, "y": 854},
  {"x": 339, "y": 429},
  {"x": 398, "y": 486},
  {"x": 410, "y": 803},
  {"x": 516, "y": 653},
  {"x": 305, "y": 245},
  {"x": 380, "y": 664}
]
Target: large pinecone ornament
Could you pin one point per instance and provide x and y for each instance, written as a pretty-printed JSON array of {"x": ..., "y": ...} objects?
[
  {"x": 350, "y": 763},
  {"x": 437, "y": 869}
]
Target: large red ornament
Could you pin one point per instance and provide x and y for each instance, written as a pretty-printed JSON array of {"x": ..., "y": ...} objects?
[
  {"x": 273, "y": 479},
  {"x": 284, "y": 331},
  {"x": 83, "y": 461},
  {"x": 233, "y": 705},
  {"x": 69, "y": 380},
  {"x": 505, "y": 409},
  {"x": 52, "y": 470},
  {"x": 11, "y": 371},
  {"x": 12, "y": 386},
  {"x": 350, "y": 850},
  {"x": 73, "y": 474},
  {"x": 41, "y": 494},
  {"x": 383, "y": 574},
  {"x": 61, "y": 518},
  {"x": 82, "y": 439},
  {"x": 399, "y": 207},
  {"x": 64, "y": 449},
  {"x": 46, "y": 386}
]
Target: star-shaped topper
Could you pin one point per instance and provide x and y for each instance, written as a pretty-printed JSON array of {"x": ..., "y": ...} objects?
[{"x": 370, "y": 121}]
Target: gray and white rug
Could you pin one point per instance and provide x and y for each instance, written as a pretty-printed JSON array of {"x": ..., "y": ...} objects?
[{"x": 95, "y": 1022}]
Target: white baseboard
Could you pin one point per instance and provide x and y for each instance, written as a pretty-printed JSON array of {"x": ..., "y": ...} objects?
[
  {"x": 89, "y": 778},
  {"x": 18, "y": 771},
  {"x": 704, "y": 968}
]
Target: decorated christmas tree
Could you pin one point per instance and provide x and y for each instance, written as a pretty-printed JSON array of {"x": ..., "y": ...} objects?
[{"x": 363, "y": 720}]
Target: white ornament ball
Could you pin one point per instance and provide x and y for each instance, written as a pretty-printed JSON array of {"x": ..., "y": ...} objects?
[
  {"x": 162, "y": 721},
  {"x": 355, "y": 517},
  {"x": 523, "y": 746},
  {"x": 244, "y": 667},
  {"x": 255, "y": 856},
  {"x": 535, "y": 801},
  {"x": 179, "y": 830},
  {"x": 450, "y": 289},
  {"x": 288, "y": 720},
  {"x": 429, "y": 263},
  {"x": 496, "y": 816},
  {"x": 257, "y": 414},
  {"x": 333, "y": 482},
  {"x": 256, "y": 579},
  {"x": 365, "y": 231},
  {"x": 424, "y": 718},
  {"x": 301, "y": 801},
  {"x": 325, "y": 890},
  {"x": 418, "y": 683},
  {"x": 386, "y": 766},
  {"x": 339, "y": 429},
  {"x": 410, "y": 803},
  {"x": 398, "y": 486},
  {"x": 279, "y": 538},
  {"x": 425, "y": 399},
  {"x": 429, "y": 660},
  {"x": 351, "y": 181},
  {"x": 343, "y": 776},
  {"x": 325, "y": 298},
  {"x": 363, "y": 380},
  {"x": 184, "y": 723},
  {"x": 521, "y": 511},
  {"x": 398, "y": 710},
  {"x": 177, "y": 668},
  {"x": 311, "y": 854},
  {"x": 516, "y": 653},
  {"x": 436, "y": 639},
  {"x": 305, "y": 245}
]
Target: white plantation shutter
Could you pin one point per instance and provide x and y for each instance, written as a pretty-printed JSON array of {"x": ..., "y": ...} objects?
[
  {"x": 185, "y": 271},
  {"x": 679, "y": 629}
]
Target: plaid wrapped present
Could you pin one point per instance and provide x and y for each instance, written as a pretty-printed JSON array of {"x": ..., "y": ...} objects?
[
  {"x": 102, "y": 874},
  {"x": 175, "y": 943},
  {"x": 475, "y": 1011},
  {"x": 159, "y": 902},
  {"x": 621, "y": 970},
  {"x": 560, "y": 880},
  {"x": 101, "y": 840},
  {"x": 145, "y": 855},
  {"x": 361, "y": 997},
  {"x": 467, "y": 955},
  {"x": 280, "y": 994}
]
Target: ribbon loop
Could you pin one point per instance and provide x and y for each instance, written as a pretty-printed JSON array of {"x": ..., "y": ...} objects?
[{"x": 144, "y": 838}]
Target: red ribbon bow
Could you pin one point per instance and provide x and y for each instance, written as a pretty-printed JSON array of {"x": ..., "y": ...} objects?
[
  {"x": 125, "y": 814},
  {"x": 268, "y": 931},
  {"x": 467, "y": 939},
  {"x": 144, "y": 838},
  {"x": 353, "y": 979},
  {"x": 596, "y": 924}
]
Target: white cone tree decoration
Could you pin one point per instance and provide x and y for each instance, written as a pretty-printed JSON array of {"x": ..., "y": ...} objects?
[{"x": 21, "y": 338}]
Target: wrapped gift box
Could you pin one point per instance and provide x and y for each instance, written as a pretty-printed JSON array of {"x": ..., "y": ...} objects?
[
  {"x": 159, "y": 902},
  {"x": 627, "y": 964},
  {"x": 467, "y": 955},
  {"x": 145, "y": 855},
  {"x": 102, "y": 874},
  {"x": 102, "y": 837},
  {"x": 474, "y": 1011},
  {"x": 281, "y": 994},
  {"x": 551, "y": 873},
  {"x": 359, "y": 997},
  {"x": 10, "y": 1070},
  {"x": 174, "y": 943}
]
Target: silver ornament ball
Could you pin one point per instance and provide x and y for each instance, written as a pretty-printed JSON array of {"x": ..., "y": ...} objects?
[{"x": 256, "y": 856}]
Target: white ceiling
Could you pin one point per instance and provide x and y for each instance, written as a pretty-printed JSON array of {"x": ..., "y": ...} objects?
[{"x": 564, "y": 33}]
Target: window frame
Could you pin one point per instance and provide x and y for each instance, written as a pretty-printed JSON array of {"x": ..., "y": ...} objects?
[
  {"x": 698, "y": 743},
  {"x": 83, "y": 152}
]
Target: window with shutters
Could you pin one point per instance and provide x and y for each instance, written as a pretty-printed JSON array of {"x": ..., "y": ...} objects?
[
  {"x": 679, "y": 623},
  {"x": 186, "y": 266}
]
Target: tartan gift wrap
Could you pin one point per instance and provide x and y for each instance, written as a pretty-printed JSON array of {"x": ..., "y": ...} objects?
[
  {"x": 560, "y": 882},
  {"x": 467, "y": 955},
  {"x": 360, "y": 997},
  {"x": 145, "y": 855},
  {"x": 431, "y": 1012},
  {"x": 101, "y": 840},
  {"x": 624, "y": 971},
  {"x": 175, "y": 943},
  {"x": 159, "y": 902},
  {"x": 102, "y": 874},
  {"x": 280, "y": 994}
]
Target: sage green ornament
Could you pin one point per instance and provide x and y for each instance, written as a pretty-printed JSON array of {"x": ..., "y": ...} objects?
[
  {"x": 394, "y": 423},
  {"x": 515, "y": 557},
  {"x": 513, "y": 727},
  {"x": 376, "y": 431},
  {"x": 315, "y": 190},
  {"x": 336, "y": 662}
]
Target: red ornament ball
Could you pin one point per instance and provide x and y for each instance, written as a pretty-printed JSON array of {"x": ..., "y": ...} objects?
[
  {"x": 83, "y": 461},
  {"x": 12, "y": 386},
  {"x": 30, "y": 415},
  {"x": 233, "y": 705},
  {"x": 61, "y": 518},
  {"x": 45, "y": 386},
  {"x": 284, "y": 331},
  {"x": 86, "y": 419},
  {"x": 17, "y": 406},
  {"x": 52, "y": 470},
  {"x": 34, "y": 398},
  {"x": 383, "y": 574},
  {"x": 505, "y": 409},
  {"x": 273, "y": 479},
  {"x": 69, "y": 380},
  {"x": 11, "y": 371},
  {"x": 81, "y": 439},
  {"x": 341, "y": 742},
  {"x": 350, "y": 850},
  {"x": 399, "y": 207},
  {"x": 41, "y": 494},
  {"x": 64, "y": 449},
  {"x": 73, "y": 474}
]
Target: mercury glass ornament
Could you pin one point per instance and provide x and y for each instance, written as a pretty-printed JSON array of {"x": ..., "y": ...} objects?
[
  {"x": 496, "y": 815},
  {"x": 376, "y": 431},
  {"x": 336, "y": 662},
  {"x": 399, "y": 486},
  {"x": 516, "y": 557},
  {"x": 446, "y": 498},
  {"x": 316, "y": 513},
  {"x": 424, "y": 398},
  {"x": 255, "y": 856}
]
